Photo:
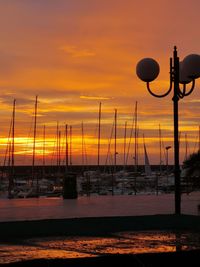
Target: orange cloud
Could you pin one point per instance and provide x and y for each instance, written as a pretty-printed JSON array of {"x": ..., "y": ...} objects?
[
  {"x": 76, "y": 52},
  {"x": 94, "y": 97}
]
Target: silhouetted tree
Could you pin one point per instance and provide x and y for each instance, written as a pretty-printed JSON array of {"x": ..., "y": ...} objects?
[{"x": 191, "y": 165}]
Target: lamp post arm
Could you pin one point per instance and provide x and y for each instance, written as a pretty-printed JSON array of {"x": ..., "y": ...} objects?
[
  {"x": 180, "y": 93},
  {"x": 190, "y": 91},
  {"x": 159, "y": 96}
]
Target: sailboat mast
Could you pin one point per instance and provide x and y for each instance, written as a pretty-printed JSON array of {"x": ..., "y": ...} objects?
[
  {"x": 44, "y": 144},
  {"x": 160, "y": 149},
  {"x": 70, "y": 145},
  {"x": 10, "y": 181},
  {"x": 12, "y": 151},
  {"x": 115, "y": 144},
  {"x": 44, "y": 147},
  {"x": 146, "y": 160},
  {"x": 125, "y": 130},
  {"x": 138, "y": 131},
  {"x": 13, "y": 137},
  {"x": 82, "y": 139},
  {"x": 130, "y": 138},
  {"x": 66, "y": 147},
  {"x": 186, "y": 147},
  {"x": 136, "y": 135},
  {"x": 34, "y": 141},
  {"x": 99, "y": 136},
  {"x": 57, "y": 144},
  {"x": 9, "y": 156},
  {"x": 59, "y": 150}
]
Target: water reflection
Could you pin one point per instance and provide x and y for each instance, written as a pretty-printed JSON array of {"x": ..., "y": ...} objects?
[{"x": 118, "y": 243}]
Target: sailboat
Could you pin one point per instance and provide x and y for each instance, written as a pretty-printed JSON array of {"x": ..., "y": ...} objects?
[
  {"x": 34, "y": 143},
  {"x": 134, "y": 131},
  {"x": 99, "y": 136},
  {"x": 43, "y": 156},
  {"x": 147, "y": 167},
  {"x": 92, "y": 179},
  {"x": 66, "y": 149},
  {"x": 12, "y": 153},
  {"x": 32, "y": 190}
]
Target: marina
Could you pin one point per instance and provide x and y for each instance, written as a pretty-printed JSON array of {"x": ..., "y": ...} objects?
[{"x": 100, "y": 133}]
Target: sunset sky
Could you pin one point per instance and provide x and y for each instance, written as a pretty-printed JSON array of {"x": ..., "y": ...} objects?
[{"x": 74, "y": 54}]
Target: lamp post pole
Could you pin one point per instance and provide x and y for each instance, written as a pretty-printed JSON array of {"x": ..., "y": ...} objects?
[
  {"x": 175, "y": 99},
  {"x": 147, "y": 70}
]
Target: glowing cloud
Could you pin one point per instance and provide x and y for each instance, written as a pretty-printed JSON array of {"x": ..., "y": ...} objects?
[
  {"x": 94, "y": 97},
  {"x": 76, "y": 52}
]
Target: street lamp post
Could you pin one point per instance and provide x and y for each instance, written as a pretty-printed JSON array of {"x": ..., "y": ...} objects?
[{"x": 181, "y": 73}]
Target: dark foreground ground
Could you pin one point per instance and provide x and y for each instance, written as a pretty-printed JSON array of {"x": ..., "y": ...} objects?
[
  {"x": 96, "y": 226},
  {"x": 186, "y": 258},
  {"x": 104, "y": 226}
]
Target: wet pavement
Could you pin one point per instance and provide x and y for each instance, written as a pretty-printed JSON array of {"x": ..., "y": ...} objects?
[
  {"x": 80, "y": 247},
  {"x": 95, "y": 206}
]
